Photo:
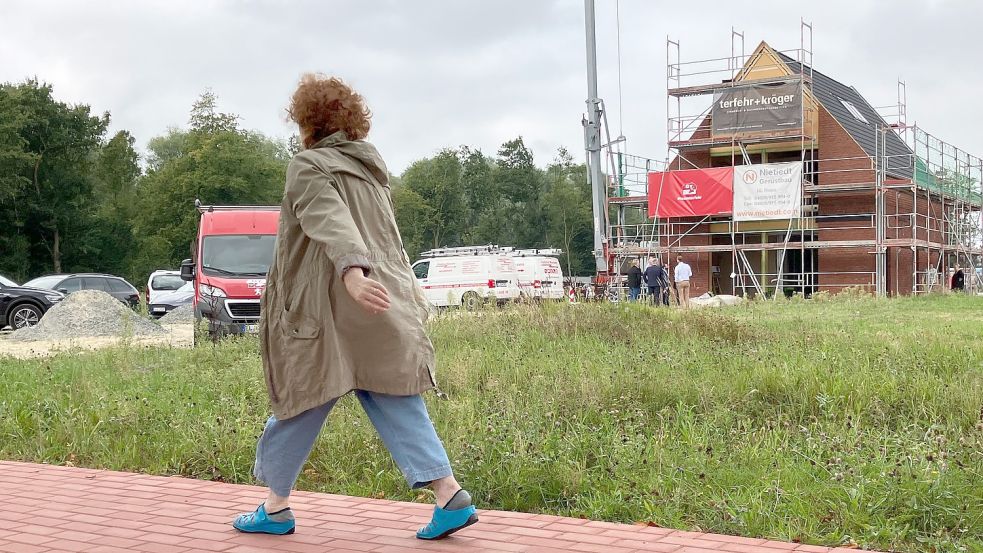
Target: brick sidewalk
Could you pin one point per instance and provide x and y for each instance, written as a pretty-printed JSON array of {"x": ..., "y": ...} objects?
[{"x": 60, "y": 509}]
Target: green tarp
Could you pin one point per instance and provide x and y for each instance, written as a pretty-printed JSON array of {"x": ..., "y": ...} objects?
[{"x": 946, "y": 181}]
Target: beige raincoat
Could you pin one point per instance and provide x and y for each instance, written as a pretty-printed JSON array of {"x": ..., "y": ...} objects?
[{"x": 317, "y": 343}]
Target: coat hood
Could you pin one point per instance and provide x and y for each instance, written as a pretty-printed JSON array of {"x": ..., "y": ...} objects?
[{"x": 358, "y": 157}]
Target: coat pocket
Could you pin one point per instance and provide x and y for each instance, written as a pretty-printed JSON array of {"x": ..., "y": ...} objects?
[{"x": 300, "y": 327}]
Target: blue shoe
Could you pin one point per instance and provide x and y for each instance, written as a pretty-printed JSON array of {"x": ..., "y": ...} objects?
[
  {"x": 258, "y": 522},
  {"x": 447, "y": 521}
]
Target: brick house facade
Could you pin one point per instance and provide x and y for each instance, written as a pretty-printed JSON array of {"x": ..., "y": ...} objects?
[{"x": 838, "y": 243}]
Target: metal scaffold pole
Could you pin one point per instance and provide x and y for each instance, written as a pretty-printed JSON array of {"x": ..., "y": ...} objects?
[
  {"x": 880, "y": 251},
  {"x": 592, "y": 144}
]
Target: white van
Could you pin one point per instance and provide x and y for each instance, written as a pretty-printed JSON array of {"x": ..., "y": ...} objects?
[
  {"x": 468, "y": 280},
  {"x": 540, "y": 278},
  {"x": 162, "y": 282}
]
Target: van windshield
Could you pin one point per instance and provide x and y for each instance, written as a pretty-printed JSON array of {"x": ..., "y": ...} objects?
[{"x": 237, "y": 255}]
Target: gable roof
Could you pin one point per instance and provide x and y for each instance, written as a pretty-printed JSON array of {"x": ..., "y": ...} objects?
[{"x": 832, "y": 94}]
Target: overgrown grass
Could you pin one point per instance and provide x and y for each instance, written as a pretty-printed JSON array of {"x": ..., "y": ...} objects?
[{"x": 852, "y": 420}]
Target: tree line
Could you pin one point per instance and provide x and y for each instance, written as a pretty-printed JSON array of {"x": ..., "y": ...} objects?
[{"x": 74, "y": 199}]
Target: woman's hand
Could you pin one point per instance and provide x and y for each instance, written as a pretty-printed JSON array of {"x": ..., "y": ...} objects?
[{"x": 366, "y": 292}]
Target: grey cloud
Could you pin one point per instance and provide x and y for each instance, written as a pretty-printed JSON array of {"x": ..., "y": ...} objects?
[{"x": 446, "y": 73}]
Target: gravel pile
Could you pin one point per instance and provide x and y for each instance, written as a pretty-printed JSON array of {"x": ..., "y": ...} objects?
[
  {"x": 88, "y": 313},
  {"x": 183, "y": 314}
]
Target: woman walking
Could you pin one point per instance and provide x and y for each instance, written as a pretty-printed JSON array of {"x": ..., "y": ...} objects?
[{"x": 342, "y": 312}]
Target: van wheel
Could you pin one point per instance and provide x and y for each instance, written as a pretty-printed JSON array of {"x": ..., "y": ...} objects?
[{"x": 471, "y": 301}]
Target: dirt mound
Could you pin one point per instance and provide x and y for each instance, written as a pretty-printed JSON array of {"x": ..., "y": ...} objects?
[
  {"x": 85, "y": 314},
  {"x": 183, "y": 314}
]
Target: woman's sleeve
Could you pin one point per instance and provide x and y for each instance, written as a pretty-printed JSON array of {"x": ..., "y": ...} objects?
[{"x": 325, "y": 217}]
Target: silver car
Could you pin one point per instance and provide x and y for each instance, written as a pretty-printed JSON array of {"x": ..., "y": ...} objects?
[{"x": 164, "y": 302}]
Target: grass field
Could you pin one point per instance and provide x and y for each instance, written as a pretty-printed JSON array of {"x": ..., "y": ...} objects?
[{"x": 846, "y": 421}]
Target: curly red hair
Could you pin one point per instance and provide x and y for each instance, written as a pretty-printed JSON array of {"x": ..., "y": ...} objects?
[{"x": 324, "y": 105}]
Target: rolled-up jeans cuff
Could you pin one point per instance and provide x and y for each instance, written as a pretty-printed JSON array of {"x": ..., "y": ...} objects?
[
  {"x": 346, "y": 262},
  {"x": 418, "y": 480}
]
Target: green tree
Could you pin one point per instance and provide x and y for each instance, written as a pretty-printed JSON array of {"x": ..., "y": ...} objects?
[
  {"x": 517, "y": 176},
  {"x": 568, "y": 212},
  {"x": 294, "y": 145},
  {"x": 110, "y": 239},
  {"x": 164, "y": 148},
  {"x": 50, "y": 175},
  {"x": 413, "y": 216},
  {"x": 478, "y": 187},
  {"x": 206, "y": 119},
  {"x": 214, "y": 161},
  {"x": 14, "y": 161},
  {"x": 437, "y": 182},
  {"x": 519, "y": 180},
  {"x": 500, "y": 223}
]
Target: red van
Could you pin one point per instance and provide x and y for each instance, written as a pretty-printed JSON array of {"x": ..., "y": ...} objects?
[{"x": 231, "y": 259}]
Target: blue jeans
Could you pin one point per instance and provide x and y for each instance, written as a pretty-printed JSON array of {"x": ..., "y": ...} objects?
[
  {"x": 401, "y": 421},
  {"x": 634, "y": 293}
]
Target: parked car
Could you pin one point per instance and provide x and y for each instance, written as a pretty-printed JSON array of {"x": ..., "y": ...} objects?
[
  {"x": 466, "y": 277},
  {"x": 22, "y": 306},
  {"x": 162, "y": 282},
  {"x": 165, "y": 302},
  {"x": 232, "y": 255},
  {"x": 68, "y": 283}
]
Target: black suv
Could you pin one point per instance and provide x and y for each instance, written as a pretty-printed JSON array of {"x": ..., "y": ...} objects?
[
  {"x": 113, "y": 285},
  {"x": 21, "y": 306}
]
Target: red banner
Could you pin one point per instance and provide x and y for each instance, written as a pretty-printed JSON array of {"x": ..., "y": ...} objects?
[{"x": 691, "y": 193}]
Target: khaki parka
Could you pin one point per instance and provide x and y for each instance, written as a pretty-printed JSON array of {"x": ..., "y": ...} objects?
[{"x": 317, "y": 344}]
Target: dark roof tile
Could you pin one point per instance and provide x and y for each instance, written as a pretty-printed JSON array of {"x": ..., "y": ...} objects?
[{"x": 831, "y": 94}]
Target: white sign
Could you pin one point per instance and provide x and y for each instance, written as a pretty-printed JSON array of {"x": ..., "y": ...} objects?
[{"x": 767, "y": 191}]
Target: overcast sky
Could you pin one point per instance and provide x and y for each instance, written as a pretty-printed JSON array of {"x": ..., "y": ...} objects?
[{"x": 441, "y": 73}]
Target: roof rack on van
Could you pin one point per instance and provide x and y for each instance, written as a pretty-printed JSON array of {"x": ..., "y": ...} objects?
[
  {"x": 545, "y": 252},
  {"x": 209, "y": 208},
  {"x": 464, "y": 250},
  {"x": 490, "y": 249}
]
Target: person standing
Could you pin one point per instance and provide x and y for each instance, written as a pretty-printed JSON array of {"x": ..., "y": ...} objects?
[
  {"x": 341, "y": 313},
  {"x": 634, "y": 281},
  {"x": 682, "y": 275},
  {"x": 958, "y": 280},
  {"x": 655, "y": 275}
]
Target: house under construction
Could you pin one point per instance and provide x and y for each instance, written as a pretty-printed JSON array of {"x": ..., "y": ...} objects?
[{"x": 781, "y": 179}]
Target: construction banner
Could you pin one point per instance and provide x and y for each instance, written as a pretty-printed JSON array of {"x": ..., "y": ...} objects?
[
  {"x": 768, "y": 191},
  {"x": 691, "y": 193},
  {"x": 756, "y": 109}
]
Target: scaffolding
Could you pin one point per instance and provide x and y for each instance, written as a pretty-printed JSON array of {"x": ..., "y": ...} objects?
[{"x": 920, "y": 208}]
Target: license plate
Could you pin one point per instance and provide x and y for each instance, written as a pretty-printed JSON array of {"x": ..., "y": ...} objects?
[
  {"x": 250, "y": 329},
  {"x": 159, "y": 310}
]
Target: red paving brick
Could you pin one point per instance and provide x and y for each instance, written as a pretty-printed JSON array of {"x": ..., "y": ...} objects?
[{"x": 154, "y": 514}]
